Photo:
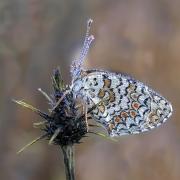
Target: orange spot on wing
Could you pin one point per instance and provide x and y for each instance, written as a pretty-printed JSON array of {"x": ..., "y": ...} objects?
[
  {"x": 131, "y": 87},
  {"x": 117, "y": 119},
  {"x": 135, "y": 105},
  {"x": 124, "y": 114},
  {"x": 101, "y": 93},
  {"x": 134, "y": 96},
  {"x": 133, "y": 114},
  {"x": 111, "y": 96},
  {"x": 101, "y": 108},
  {"x": 111, "y": 126},
  {"x": 107, "y": 83},
  {"x": 153, "y": 118}
]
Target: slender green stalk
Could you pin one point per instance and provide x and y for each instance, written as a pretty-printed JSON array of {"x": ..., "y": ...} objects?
[{"x": 68, "y": 152}]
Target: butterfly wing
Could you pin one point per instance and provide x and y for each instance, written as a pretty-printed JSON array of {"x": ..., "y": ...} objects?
[{"x": 125, "y": 106}]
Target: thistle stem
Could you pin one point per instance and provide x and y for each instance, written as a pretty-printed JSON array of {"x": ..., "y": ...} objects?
[{"x": 68, "y": 152}]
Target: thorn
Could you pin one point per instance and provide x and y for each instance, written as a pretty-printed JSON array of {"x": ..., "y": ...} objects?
[
  {"x": 54, "y": 135},
  {"x": 31, "y": 143},
  {"x": 24, "y": 104},
  {"x": 45, "y": 95},
  {"x": 60, "y": 100},
  {"x": 37, "y": 124}
]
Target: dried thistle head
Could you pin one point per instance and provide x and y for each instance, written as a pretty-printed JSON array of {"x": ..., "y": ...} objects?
[{"x": 66, "y": 122}]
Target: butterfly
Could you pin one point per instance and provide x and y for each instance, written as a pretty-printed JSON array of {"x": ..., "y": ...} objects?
[
  {"x": 123, "y": 105},
  {"x": 118, "y": 102}
]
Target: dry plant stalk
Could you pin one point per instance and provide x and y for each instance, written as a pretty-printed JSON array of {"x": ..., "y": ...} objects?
[{"x": 67, "y": 121}]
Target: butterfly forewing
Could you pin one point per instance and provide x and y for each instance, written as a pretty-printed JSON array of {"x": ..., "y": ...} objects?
[{"x": 124, "y": 105}]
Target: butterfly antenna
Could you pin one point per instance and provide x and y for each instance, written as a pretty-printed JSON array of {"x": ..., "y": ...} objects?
[{"x": 77, "y": 64}]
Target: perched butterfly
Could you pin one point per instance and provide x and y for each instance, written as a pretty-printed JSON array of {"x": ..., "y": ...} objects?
[
  {"x": 123, "y": 104},
  {"x": 118, "y": 102}
]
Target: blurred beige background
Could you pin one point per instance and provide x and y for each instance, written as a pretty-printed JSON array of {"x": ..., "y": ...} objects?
[{"x": 138, "y": 37}]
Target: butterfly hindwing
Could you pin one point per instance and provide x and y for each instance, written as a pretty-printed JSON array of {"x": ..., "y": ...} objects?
[{"x": 126, "y": 106}]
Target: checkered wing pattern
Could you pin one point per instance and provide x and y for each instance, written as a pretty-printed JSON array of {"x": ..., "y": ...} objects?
[{"x": 123, "y": 105}]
